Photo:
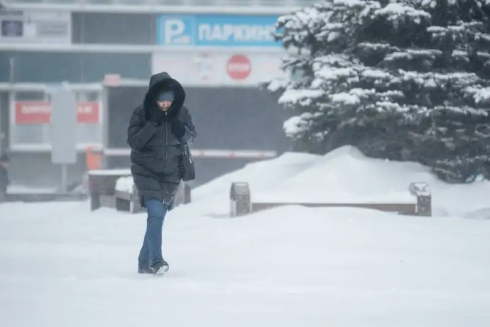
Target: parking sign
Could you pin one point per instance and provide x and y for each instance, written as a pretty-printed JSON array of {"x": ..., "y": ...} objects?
[{"x": 217, "y": 30}]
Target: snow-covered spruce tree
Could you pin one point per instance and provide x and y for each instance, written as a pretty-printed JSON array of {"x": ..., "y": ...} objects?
[{"x": 403, "y": 81}]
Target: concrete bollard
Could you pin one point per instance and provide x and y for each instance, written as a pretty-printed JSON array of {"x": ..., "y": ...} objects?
[
  {"x": 240, "y": 199},
  {"x": 421, "y": 190}
]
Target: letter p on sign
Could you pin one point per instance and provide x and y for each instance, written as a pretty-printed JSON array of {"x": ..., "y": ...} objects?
[{"x": 173, "y": 28}]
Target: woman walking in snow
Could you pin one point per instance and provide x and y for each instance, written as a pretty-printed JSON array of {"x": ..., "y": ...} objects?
[{"x": 156, "y": 131}]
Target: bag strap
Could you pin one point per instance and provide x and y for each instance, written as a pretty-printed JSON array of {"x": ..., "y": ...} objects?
[{"x": 184, "y": 147}]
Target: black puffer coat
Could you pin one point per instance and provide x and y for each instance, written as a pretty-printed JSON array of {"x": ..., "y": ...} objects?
[{"x": 155, "y": 151}]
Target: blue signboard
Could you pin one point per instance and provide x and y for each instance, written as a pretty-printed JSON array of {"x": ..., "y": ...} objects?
[{"x": 217, "y": 30}]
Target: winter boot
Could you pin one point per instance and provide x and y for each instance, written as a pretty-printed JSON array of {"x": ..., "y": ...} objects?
[{"x": 160, "y": 268}]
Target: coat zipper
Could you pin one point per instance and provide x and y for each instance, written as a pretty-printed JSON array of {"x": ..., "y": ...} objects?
[{"x": 166, "y": 135}]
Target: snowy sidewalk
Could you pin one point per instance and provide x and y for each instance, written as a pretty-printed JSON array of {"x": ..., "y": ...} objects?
[{"x": 63, "y": 266}]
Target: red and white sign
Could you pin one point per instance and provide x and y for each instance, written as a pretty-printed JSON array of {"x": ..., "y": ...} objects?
[
  {"x": 39, "y": 112},
  {"x": 88, "y": 112},
  {"x": 239, "y": 67}
]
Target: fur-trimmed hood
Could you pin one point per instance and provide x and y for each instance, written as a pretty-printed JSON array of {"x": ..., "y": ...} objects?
[{"x": 163, "y": 82}]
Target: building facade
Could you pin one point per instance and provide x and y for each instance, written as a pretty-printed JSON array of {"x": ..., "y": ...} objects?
[{"x": 106, "y": 54}]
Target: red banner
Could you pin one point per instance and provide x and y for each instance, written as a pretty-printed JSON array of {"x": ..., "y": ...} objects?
[
  {"x": 39, "y": 112},
  {"x": 88, "y": 112}
]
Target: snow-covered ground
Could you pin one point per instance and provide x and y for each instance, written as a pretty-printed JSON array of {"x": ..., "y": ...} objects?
[
  {"x": 343, "y": 175},
  {"x": 64, "y": 266},
  {"x": 61, "y": 265}
]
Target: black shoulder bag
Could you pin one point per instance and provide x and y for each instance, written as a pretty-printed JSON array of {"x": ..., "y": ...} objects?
[{"x": 188, "y": 170}]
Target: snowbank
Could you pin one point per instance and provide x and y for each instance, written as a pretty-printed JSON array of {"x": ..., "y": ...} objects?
[
  {"x": 347, "y": 176},
  {"x": 344, "y": 175},
  {"x": 213, "y": 198},
  {"x": 260, "y": 174}
]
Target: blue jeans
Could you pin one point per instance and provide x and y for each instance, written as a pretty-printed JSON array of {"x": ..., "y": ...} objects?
[{"x": 151, "y": 251}]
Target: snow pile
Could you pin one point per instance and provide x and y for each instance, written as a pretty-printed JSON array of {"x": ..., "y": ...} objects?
[
  {"x": 344, "y": 175},
  {"x": 212, "y": 198},
  {"x": 260, "y": 174},
  {"x": 347, "y": 176},
  {"x": 125, "y": 184}
]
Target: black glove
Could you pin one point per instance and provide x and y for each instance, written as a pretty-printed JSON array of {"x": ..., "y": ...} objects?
[
  {"x": 178, "y": 129},
  {"x": 155, "y": 116}
]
